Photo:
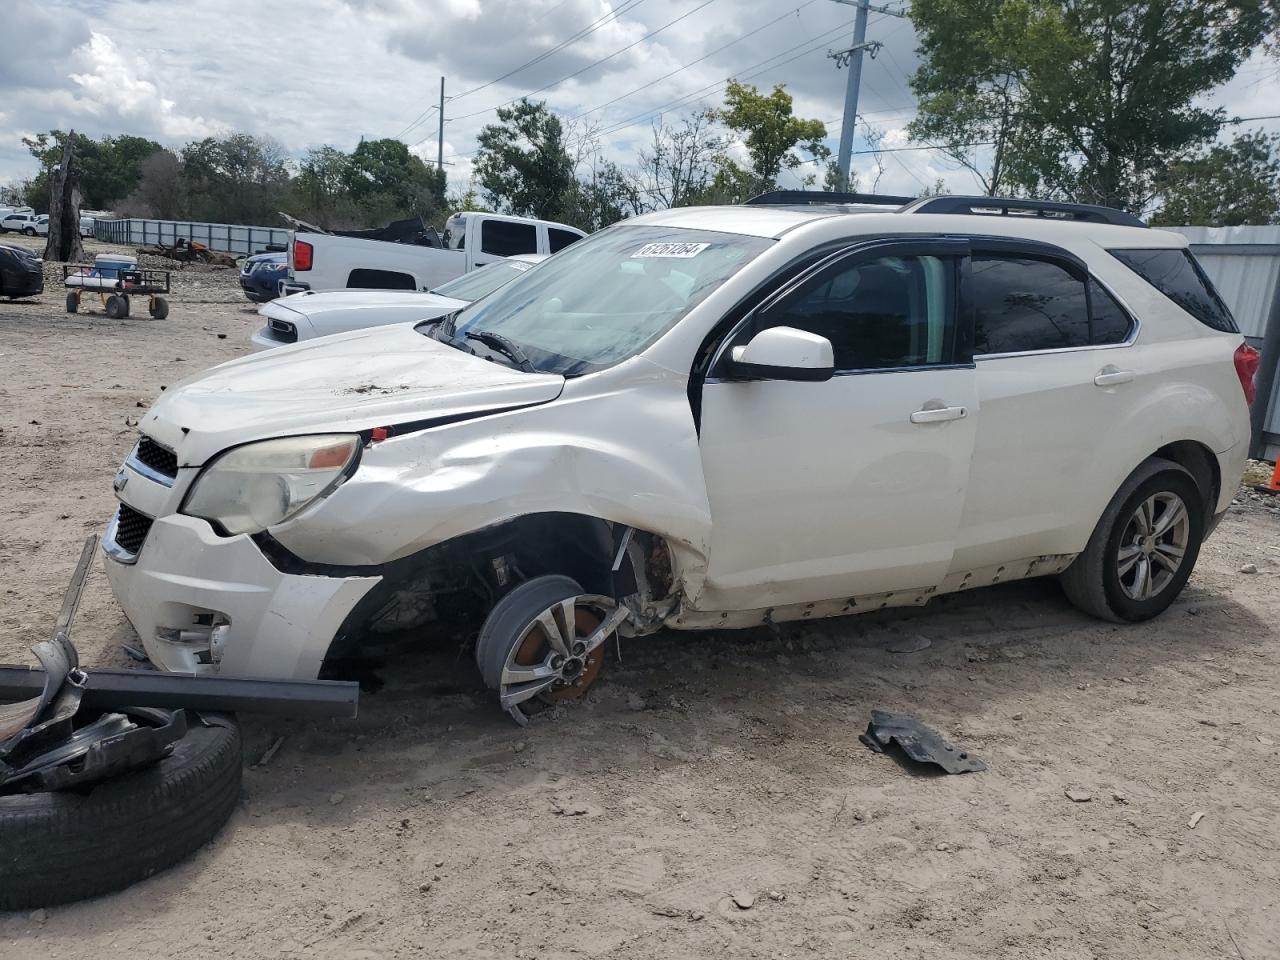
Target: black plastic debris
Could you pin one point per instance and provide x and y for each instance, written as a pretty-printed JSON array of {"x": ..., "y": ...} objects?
[{"x": 920, "y": 743}]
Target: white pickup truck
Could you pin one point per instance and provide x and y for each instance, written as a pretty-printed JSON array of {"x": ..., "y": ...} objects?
[{"x": 415, "y": 260}]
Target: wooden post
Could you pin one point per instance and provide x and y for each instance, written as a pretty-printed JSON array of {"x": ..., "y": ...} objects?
[{"x": 64, "y": 242}]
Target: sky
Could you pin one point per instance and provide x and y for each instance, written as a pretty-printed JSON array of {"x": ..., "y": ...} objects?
[{"x": 313, "y": 72}]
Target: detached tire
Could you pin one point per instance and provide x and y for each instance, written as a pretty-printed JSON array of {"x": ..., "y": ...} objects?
[
  {"x": 65, "y": 846},
  {"x": 1107, "y": 579}
]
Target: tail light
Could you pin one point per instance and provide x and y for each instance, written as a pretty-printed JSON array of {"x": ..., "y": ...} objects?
[
  {"x": 302, "y": 255},
  {"x": 1247, "y": 362}
]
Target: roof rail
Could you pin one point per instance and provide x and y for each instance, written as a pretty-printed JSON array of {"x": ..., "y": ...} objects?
[
  {"x": 779, "y": 197},
  {"x": 1008, "y": 206}
]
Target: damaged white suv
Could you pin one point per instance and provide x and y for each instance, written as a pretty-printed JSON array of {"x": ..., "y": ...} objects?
[{"x": 700, "y": 418}]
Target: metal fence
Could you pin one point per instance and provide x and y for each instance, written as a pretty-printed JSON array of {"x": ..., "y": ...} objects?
[
  {"x": 216, "y": 236},
  {"x": 1244, "y": 264}
]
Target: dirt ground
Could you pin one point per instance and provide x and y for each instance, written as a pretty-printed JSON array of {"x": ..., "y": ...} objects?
[{"x": 700, "y": 769}]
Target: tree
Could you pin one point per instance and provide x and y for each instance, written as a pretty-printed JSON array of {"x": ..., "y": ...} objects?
[
  {"x": 64, "y": 241},
  {"x": 159, "y": 193},
  {"x": 1223, "y": 186},
  {"x": 234, "y": 179},
  {"x": 110, "y": 168},
  {"x": 523, "y": 164},
  {"x": 384, "y": 171},
  {"x": 320, "y": 185},
  {"x": 679, "y": 165},
  {"x": 1087, "y": 99},
  {"x": 771, "y": 134}
]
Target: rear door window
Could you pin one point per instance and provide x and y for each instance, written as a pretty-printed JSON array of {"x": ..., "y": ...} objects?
[
  {"x": 504, "y": 239},
  {"x": 559, "y": 239},
  {"x": 1176, "y": 274},
  {"x": 1022, "y": 304},
  {"x": 1109, "y": 322}
]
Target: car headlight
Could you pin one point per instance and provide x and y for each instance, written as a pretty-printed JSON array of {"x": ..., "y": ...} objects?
[{"x": 256, "y": 486}]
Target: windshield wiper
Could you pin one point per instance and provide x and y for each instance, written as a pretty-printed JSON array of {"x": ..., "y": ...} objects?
[{"x": 504, "y": 346}]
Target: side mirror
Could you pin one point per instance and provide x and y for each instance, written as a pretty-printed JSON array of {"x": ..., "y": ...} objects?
[{"x": 784, "y": 353}]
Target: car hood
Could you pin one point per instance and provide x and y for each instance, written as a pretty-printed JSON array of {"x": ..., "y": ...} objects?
[
  {"x": 369, "y": 378},
  {"x": 342, "y": 310}
]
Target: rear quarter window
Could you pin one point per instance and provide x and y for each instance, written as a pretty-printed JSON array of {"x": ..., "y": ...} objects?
[{"x": 1176, "y": 274}]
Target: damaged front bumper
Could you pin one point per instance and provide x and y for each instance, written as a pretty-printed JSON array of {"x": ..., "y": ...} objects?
[{"x": 207, "y": 604}]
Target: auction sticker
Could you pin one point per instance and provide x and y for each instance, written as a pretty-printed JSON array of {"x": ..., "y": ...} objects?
[{"x": 677, "y": 251}]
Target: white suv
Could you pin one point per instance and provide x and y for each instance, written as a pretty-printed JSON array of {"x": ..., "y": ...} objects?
[{"x": 700, "y": 418}]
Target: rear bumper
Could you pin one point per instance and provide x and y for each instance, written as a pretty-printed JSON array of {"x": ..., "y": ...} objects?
[{"x": 207, "y": 604}]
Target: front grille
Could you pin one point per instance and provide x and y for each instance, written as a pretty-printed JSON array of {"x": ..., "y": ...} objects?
[
  {"x": 283, "y": 330},
  {"x": 160, "y": 459},
  {"x": 131, "y": 528}
]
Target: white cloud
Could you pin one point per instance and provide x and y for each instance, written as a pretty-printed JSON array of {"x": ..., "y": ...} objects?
[{"x": 114, "y": 84}]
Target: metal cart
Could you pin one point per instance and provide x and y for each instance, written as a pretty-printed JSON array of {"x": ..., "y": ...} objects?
[{"x": 115, "y": 288}]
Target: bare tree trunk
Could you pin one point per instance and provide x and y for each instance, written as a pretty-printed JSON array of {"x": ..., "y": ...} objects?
[{"x": 64, "y": 207}]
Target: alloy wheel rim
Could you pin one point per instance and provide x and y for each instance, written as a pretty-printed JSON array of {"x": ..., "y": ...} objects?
[
  {"x": 559, "y": 653},
  {"x": 1153, "y": 546}
]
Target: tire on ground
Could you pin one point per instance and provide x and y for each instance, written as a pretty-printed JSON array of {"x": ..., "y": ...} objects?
[
  {"x": 159, "y": 308},
  {"x": 1092, "y": 582},
  {"x": 511, "y": 614},
  {"x": 64, "y": 846},
  {"x": 73, "y": 303}
]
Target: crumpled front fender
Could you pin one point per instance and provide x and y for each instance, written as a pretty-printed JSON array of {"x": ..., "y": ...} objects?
[{"x": 628, "y": 455}]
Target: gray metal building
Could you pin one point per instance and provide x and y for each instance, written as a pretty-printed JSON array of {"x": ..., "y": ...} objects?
[{"x": 1244, "y": 264}]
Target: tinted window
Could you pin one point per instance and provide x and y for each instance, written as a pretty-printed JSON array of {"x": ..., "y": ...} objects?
[
  {"x": 559, "y": 239},
  {"x": 1111, "y": 324},
  {"x": 506, "y": 239},
  {"x": 1021, "y": 304},
  {"x": 1176, "y": 274},
  {"x": 878, "y": 313},
  {"x": 380, "y": 280}
]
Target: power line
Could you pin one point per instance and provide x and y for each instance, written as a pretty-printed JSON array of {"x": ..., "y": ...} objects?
[
  {"x": 812, "y": 44},
  {"x": 592, "y": 27},
  {"x": 626, "y": 7},
  {"x": 693, "y": 63},
  {"x": 647, "y": 36},
  {"x": 422, "y": 116},
  {"x": 740, "y": 75}
]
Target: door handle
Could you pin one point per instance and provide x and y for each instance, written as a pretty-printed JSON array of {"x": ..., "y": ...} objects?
[
  {"x": 1110, "y": 376},
  {"x": 939, "y": 414}
]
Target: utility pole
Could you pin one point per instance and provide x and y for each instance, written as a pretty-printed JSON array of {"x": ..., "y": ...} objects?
[
  {"x": 440, "y": 140},
  {"x": 852, "y": 58}
]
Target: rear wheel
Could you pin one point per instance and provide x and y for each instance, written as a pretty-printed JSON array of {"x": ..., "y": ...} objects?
[
  {"x": 544, "y": 642},
  {"x": 1144, "y": 547},
  {"x": 117, "y": 307},
  {"x": 73, "y": 303},
  {"x": 159, "y": 308}
]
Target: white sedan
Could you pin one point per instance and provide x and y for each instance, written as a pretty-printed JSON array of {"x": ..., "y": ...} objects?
[{"x": 304, "y": 316}]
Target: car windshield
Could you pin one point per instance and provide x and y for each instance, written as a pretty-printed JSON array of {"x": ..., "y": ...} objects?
[
  {"x": 609, "y": 296},
  {"x": 480, "y": 283}
]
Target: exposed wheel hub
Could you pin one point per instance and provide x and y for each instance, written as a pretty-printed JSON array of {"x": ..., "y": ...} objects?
[{"x": 560, "y": 653}]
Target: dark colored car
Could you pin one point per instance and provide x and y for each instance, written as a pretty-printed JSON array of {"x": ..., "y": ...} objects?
[
  {"x": 261, "y": 274},
  {"x": 21, "y": 272}
]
